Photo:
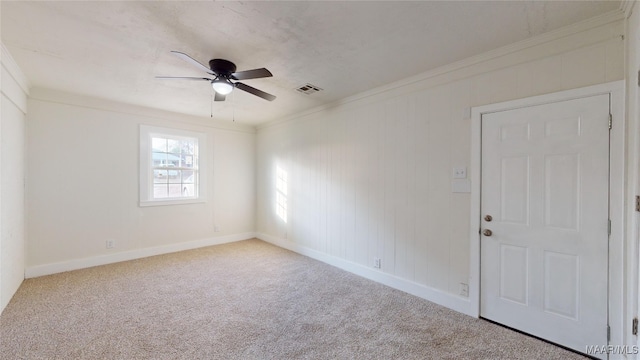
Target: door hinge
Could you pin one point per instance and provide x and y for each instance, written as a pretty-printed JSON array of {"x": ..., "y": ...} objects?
[
  {"x": 637, "y": 203},
  {"x": 608, "y": 333},
  {"x": 610, "y": 121},
  {"x": 634, "y": 326},
  {"x": 609, "y": 227}
]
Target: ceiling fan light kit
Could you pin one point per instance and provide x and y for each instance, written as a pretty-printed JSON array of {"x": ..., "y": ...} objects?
[
  {"x": 222, "y": 86},
  {"x": 225, "y": 71}
]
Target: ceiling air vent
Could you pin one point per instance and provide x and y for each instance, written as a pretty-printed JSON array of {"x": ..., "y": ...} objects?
[{"x": 308, "y": 89}]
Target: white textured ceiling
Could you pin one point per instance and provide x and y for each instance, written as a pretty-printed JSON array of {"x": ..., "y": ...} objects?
[{"x": 113, "y": 50}]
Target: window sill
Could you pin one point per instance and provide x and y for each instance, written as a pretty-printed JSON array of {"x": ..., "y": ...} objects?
[{"x": 171, "y": 202}]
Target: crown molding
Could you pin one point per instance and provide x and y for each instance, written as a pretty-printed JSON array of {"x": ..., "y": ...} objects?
[
  {"x": 89, "y": 102},
  {"x": 14, "y": 70},
  {"x": 592, "y": 23}
]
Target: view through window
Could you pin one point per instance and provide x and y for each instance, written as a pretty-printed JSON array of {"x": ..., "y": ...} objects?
[{"x": 174, "y": 161}]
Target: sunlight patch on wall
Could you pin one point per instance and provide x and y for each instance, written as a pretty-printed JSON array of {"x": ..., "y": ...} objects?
[{"x": 281, "y": 194}]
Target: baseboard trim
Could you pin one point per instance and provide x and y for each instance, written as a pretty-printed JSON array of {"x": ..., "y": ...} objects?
[
  {"x": 76, "y": 264},
  {"x": 439, "y": 297}
]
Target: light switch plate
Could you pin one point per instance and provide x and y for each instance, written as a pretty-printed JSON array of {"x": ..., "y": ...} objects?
[{"x": 460, "y": 173}]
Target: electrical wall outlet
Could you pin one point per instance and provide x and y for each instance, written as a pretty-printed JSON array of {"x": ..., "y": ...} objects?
[
  {"x": 377, "y": 263},
  {"x": 464, "y": 289},
  {"x": 216, "y": 228},
  {"x": 110, "y": 244}
]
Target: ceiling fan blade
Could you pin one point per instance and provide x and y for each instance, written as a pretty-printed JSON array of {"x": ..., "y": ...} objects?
[
  {"x": 219, "y": 97},
  {"x": 251, "y": 74},
  {"x": 183, "y": 78},
  {"x": 254, "y": 91},
  {"x": 193, "y": 62}
]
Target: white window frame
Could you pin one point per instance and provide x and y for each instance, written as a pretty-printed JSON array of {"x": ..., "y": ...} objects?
[{"x": 146, "y": 166}]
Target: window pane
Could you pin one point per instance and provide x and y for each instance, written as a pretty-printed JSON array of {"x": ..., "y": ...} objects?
[
  {"x": 175, "y": 190},
  {"x": 188, "y": 190},
  {"x": 174, "y": 146},
  {"x": 159, "y": 144},
  {"x": 175, "y": 177},
  {"x": 187, "y": 161},
  {"x": 159, "y": 176},
  {"x": 159, "y": 159},
  {"x": 187, "y": 146},
  {"x": 160, "y": 191},
  {"x": 187, "y": 177},
  {"x": 174, "y": 160}
]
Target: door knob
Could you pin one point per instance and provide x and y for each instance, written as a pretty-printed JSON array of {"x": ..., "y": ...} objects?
[{"x": 487, "y": 232}]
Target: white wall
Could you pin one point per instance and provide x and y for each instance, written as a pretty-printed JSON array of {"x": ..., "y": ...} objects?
[
  {"x": 371, "y": 176},
  {"x": 14, "y": 87},
  {"x": 82, "y": 185}
]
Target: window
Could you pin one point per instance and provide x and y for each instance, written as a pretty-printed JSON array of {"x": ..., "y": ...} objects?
[{"x": 171, "y": 170}]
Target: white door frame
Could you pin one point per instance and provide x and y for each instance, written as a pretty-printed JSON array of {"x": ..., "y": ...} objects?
[{"x": 621, "y": 263}]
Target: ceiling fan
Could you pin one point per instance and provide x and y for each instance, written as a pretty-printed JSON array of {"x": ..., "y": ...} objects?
[{"x": 223, "y": 72}]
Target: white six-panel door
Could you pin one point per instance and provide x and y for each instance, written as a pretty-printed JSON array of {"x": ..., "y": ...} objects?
[{"x": 545, "y": 172}]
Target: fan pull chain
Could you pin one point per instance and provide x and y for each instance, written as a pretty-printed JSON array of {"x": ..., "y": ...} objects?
[
  {"x": 233, "y": 105},
  {"x": 212, "y": 92}
]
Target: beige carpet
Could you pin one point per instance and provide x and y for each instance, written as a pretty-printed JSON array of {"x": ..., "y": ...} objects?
[{"x": 246, "y": 300}]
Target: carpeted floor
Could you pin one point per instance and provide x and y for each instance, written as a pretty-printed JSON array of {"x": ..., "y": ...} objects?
[{"x": 245, "y": 300}]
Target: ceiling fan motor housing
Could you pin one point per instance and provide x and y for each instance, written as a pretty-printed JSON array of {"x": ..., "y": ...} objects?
[{"x": 222, "y": 67}]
